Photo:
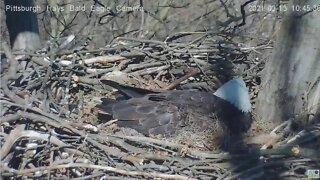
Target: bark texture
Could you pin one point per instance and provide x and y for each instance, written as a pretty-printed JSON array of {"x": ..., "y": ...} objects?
[
  {"x": 22, "y": 25},
  {"x": 291, "y": 79}
]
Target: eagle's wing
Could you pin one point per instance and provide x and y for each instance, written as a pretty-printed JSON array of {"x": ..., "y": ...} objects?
[
  {"x": 155, "y": 113},
  {"x": 162, "y": 113}
]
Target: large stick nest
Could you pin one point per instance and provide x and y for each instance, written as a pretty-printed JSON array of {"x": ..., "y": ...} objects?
[{"x": 48, "y": 129}]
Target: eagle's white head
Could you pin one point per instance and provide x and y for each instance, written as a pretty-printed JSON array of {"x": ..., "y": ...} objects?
[{"x": 236, "y": 93}]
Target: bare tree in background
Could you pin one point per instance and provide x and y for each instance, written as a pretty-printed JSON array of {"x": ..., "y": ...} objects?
[
  {"x": 22, "y": 26},
  {"x": 291, "y": 79}
]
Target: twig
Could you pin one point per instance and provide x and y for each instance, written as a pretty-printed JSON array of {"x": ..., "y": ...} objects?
[
  {"x": 19, "y": 132},
  {"x": 185, "y": 77},
  {"x": 104, "y": 59},
  {"x": 45, "y": 169}
]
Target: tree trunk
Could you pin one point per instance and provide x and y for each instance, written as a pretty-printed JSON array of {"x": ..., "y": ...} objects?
[
  {"x": 291, "y": 79},
  {"x": 22, "y": 24}
]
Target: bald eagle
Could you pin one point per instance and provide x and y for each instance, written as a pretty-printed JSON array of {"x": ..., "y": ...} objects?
[{"x": 167, "y": 112}]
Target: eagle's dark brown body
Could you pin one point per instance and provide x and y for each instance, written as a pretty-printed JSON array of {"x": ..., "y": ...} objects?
[{"x": 169, "y": 112}]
